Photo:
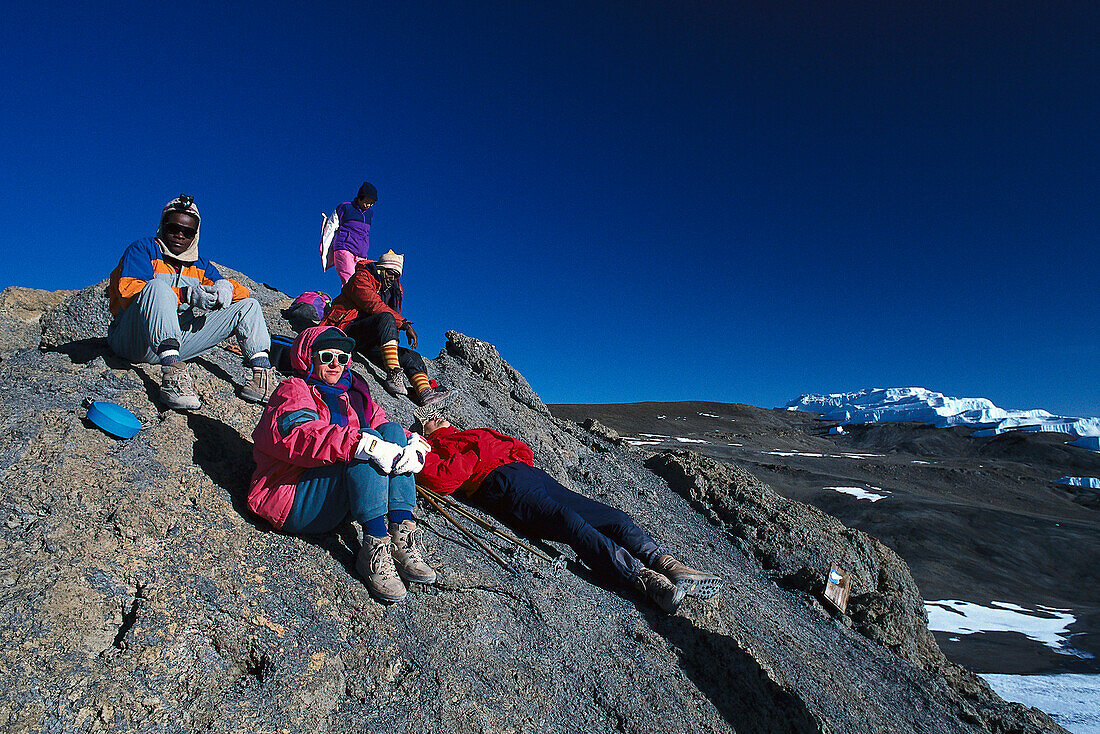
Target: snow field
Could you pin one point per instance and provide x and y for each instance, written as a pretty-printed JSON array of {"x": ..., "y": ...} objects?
[
  {"x": 1046, "y": 625},
  {"x": 1073, "y": 700},
  {"x": 655, "y": 439},
  {"x": 1079, "y": 482}
]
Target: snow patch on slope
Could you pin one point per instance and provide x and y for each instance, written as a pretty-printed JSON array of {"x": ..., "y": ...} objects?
[
  {"x": 1045, "y": 625},
  {"x": 860, "y": 493}
]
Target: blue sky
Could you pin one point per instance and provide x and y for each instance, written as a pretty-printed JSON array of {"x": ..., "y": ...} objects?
[{"x": 634, "y": 201}]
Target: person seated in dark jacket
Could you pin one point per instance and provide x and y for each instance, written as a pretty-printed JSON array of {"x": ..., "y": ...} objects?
[
  {"x": 496, "y": 473},
  {"x": 368, "y": 309}
]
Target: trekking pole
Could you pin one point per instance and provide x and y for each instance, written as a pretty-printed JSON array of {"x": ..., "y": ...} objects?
[
  {"x": 493, "y": 529},
  {"x": 427, "y": 495}
]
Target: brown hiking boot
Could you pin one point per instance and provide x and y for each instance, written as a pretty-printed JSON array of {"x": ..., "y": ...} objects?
[
  {"x": 659, "y": 589},
  {"x": 177, "y": 390},
  {"x": 375, "y": 565},
  {"x": 433, "y": 395},
  {"x": 408, "y": 542},
  {"x": 394, "y": 383},
  {"x": 694, "y": 583},
  {"x": 260, "y": 387}
]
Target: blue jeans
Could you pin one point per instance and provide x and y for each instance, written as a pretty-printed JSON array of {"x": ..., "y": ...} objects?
[
  {"x": 529, "y": 499},
  {"x": 327, "y": 494}
]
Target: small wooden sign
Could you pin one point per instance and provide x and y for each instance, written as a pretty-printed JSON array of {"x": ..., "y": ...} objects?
[{"x": 837, "y": 588}]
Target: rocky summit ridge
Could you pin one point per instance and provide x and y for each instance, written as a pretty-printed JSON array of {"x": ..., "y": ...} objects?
[{"x": 138, "y": 593}]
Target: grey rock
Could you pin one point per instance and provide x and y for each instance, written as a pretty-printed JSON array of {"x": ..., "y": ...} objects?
[
  {"x": 797, "y": 544},
  {"x": 484, "y": 359},
  {"x": 82, "y": 317},
  {"x": 139, "y": 593},
  {"x": 599, "y": 429}
]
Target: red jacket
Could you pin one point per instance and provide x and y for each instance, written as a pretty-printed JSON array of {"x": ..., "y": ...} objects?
[
  {"x": 462, "y": 459},
  {"x": 360, "y": 297},
  {"x": 294, "y": 434}
]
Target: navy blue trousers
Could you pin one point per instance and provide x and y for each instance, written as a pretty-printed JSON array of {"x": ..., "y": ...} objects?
[
  {"x": 372, "y": 331},
  {"x": 532, "y": 501}
]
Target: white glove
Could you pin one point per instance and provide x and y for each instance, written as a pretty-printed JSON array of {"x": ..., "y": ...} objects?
[
  {"x": 412, "y": 459},
  {"x": 416, "y": 438},
  {"x": 202, "y": 296},
  {"x": 382, "y": 453},
  {"x": 223, "y": 291}
]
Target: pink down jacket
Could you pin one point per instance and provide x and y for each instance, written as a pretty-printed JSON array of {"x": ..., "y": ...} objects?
[{"x": 294, "y": 434}]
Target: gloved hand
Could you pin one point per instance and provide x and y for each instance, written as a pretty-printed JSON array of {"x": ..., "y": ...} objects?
[
  {"x": 202, "y": 296},
  {"x": 223, "y": 290},
  {"x": 425, "y": 447},
  {"x": 412, "y": 457},
  {"x": 382, "y": 454}
]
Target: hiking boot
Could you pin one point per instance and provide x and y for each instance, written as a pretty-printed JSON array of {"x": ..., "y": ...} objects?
[
  {"x": 433, "y": 395},
  {"x": 260, "y": 387},
  {"x": 177, "y": 391},
  {"x": 375, "y": 565},
  {"x": 659, "y": 589},
  {"x": 408, "y": 542},
  {"x": 395, "y": 382},
  {"x": 694, "y": 583},
  {"x": 425, "y": 413}
]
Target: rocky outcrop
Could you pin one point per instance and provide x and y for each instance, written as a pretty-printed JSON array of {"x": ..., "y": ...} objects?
[
  {"x": 797, "y": 544},
  {"x": 138, "y": 593}
]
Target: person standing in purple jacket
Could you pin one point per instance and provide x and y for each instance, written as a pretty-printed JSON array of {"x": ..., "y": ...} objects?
[{"x": 352, "y": 239}]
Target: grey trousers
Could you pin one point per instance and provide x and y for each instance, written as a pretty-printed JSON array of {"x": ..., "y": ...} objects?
[{"x": 153, "y": 317}]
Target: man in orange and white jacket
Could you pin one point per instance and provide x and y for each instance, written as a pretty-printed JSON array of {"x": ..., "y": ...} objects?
[{"x": 170, "y": 304}]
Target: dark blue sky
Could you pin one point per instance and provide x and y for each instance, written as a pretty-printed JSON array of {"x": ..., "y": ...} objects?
[{"x": 632, "y": 200}]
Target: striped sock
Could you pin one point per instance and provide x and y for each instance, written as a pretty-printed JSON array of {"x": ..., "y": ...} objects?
[
  {"x": 389, "y": 355},
  {"x": 421, "y": 382},
  {"x": 169, "y": 352}
]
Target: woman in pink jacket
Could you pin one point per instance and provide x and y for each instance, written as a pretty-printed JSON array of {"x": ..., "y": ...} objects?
[{"x": 324, "y": 450}]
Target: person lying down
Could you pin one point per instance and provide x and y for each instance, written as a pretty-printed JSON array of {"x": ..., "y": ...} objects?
[{"x": 496, "y": 473}]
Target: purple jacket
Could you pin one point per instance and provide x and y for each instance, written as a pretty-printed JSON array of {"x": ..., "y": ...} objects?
[{"x": 353, "y": 234}]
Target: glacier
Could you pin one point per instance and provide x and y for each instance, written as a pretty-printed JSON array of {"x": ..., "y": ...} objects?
[
  {"x": 1092, "y": 482},
  {"x": 921, "y": 405}
]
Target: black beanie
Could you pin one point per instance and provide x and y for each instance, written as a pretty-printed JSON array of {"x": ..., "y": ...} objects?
[
  {"x": 367, "y": 191},
  {"x": 333, "y": 338}
]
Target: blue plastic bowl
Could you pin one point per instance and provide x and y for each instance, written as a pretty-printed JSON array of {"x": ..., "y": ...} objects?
[{"x": 114, "y": 419}]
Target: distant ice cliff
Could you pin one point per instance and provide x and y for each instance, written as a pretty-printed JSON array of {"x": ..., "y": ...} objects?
[{"x": 918, "y": 404}]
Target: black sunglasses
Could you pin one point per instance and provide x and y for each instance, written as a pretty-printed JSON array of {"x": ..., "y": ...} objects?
[
  {"x": 173, "y": 228},
  {"x": 328, "y": 356}
]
